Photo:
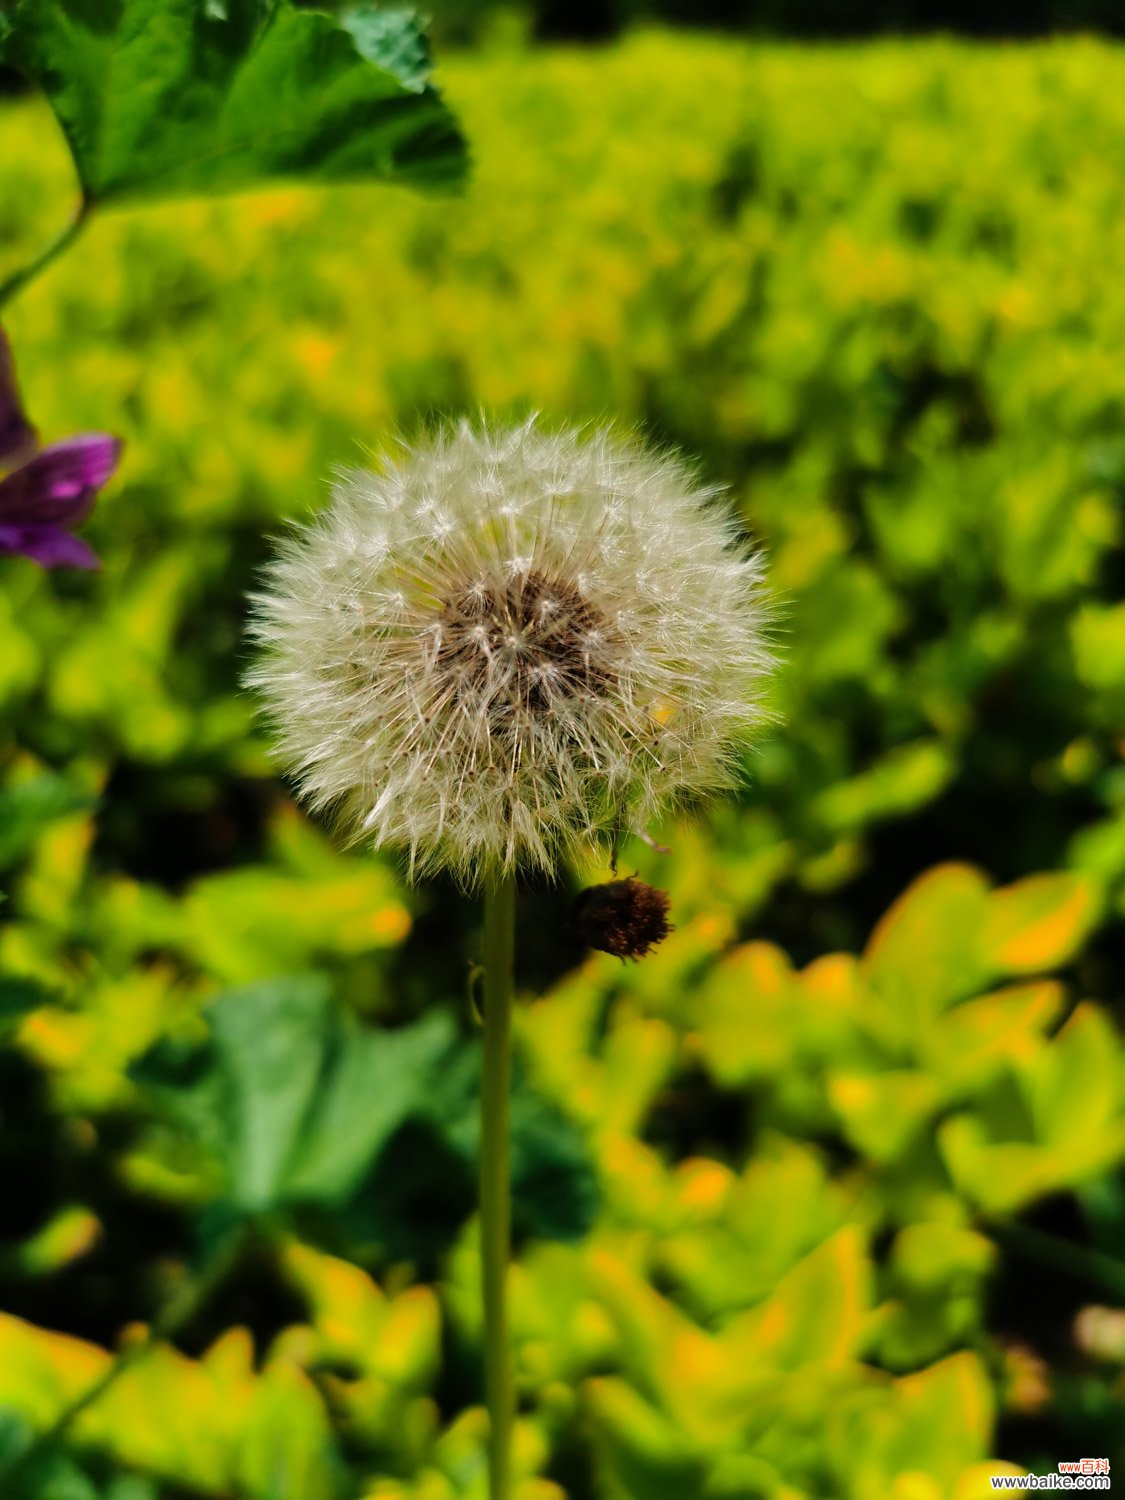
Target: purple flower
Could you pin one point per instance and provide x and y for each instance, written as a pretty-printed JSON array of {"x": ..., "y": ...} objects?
[{"x": 48, "y": 491}]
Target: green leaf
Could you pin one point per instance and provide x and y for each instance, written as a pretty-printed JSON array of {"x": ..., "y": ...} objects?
[
  {"x": 291, "y": 1096},
  {"x": 902, "y": 780},
  {"x": 393, "y": 39},
  {"x": 730, "y": 1264},
  {"x": 15, "y": 1434},
  {"x": 1038, "y": 923},
  {"x": 304, "y": 1107},
  {"x": 976, "y": 1040},
  {"x": 1097, "y": 637},
  {"x": 160, "y": 97},
  {"x": 936, "y": 1422},
  {"x": 937, "y": 1273},
  {"x": 745, "y": 1014},
  {"x": 18, "y": 997},
  {"x": 53, "y": 1476},
  {"x": 1000, "y": 1176},
  {"x": 29, "y": 807},
  {"x": 286, "y": 1444},
  {"x": 1074, "y": 1089},
  {"x": 1071, "y": 1125},
  {"x": 425, "y": 1185},
  {"x": 212, "y": 1426},
  {"x": 927, "y": 1257},
  {"x": 246, "y": 924},
  {"x": 926, "y": 951},
  {"x": 816, "y": 1312},
  {"x": 374, "y": 1080},
  {"x": 642, "y": 1454},
  {"x": 553, "y": 1181},
  {"x": 883, "y": 1113},
  {"x": 271, "y": 1041},
  {"x": 66, "y": 1236},
  {"x": 131, "y": 1487}
]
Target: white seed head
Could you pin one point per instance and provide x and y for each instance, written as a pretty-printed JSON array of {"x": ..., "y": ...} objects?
[{"x": 510, "y": 642}]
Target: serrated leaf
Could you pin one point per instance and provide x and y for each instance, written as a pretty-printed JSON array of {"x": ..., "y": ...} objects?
[
  {"x": 643, "y": 1454},
  {"x": 304, "y": 1107},
  {"x": 161, "y": 97},
  {"x": 372, "y": 1081},
  {"x": 1001, "y": 1176},
  {"x": 927, "y": 1427},
  {"x": 395, "y": 1338},
  {"x": 292, "y": 1097},
  {"x": 744, "y": 1014},
  {"x": 945, "y": 1416},
  {"x": 393, "y": 38}
]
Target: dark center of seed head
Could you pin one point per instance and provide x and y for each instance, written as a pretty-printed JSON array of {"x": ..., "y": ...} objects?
[{"x": 538, "y": 636}]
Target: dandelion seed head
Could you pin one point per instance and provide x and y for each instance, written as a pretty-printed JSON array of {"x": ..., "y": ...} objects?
[{"x": 508, "y": 642}]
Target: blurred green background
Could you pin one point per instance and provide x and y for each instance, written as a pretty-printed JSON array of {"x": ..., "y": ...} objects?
[{"x": 823, "y": 1199}]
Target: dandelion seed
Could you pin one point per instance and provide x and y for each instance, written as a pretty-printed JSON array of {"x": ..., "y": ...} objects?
[{"x": 509, "y": 642}]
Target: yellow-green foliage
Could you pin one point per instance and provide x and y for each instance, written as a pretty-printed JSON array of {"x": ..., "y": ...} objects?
[
  {"x": 886, "y": 312},
  {"x": 878, "y": 290}
]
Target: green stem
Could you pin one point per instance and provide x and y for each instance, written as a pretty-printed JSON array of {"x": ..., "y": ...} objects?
[
  {"x": 19, "y": 279},
  {"x": 1061, "y": 1255},
  {"x": 495, "y": 1179},
  {"x": 177, "y": 1312}
]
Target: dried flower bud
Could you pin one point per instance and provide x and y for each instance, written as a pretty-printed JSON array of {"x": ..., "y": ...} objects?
[{"x": 624, "y": 917}]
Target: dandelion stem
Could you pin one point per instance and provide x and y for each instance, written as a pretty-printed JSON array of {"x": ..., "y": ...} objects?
[{"x": 495, "y": 1181}]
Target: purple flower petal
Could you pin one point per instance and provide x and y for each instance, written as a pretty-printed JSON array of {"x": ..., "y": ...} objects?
[
  {"x": 58, "y": 485},
  {"x": 49, "y": 546},
  {"x": 17, "y": 436}
]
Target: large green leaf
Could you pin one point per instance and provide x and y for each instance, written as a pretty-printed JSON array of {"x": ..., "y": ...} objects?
[
  {"x": 292, "y": 1096},
  {"x": 271, "y": 1040},
  {"x": 373, "y": 1081},
  {"x": 424, "y": 1186},
  {"x": 162, "y": 97},
  {"x": 305, "y": 1108}
]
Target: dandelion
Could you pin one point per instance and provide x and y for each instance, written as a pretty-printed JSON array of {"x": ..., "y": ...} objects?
[
  {"x": 508, "y": 644},
  {"x": 495, "y": 651}
]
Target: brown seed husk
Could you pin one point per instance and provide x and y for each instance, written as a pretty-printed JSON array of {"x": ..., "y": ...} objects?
[{"x": 624, "y": 917}]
